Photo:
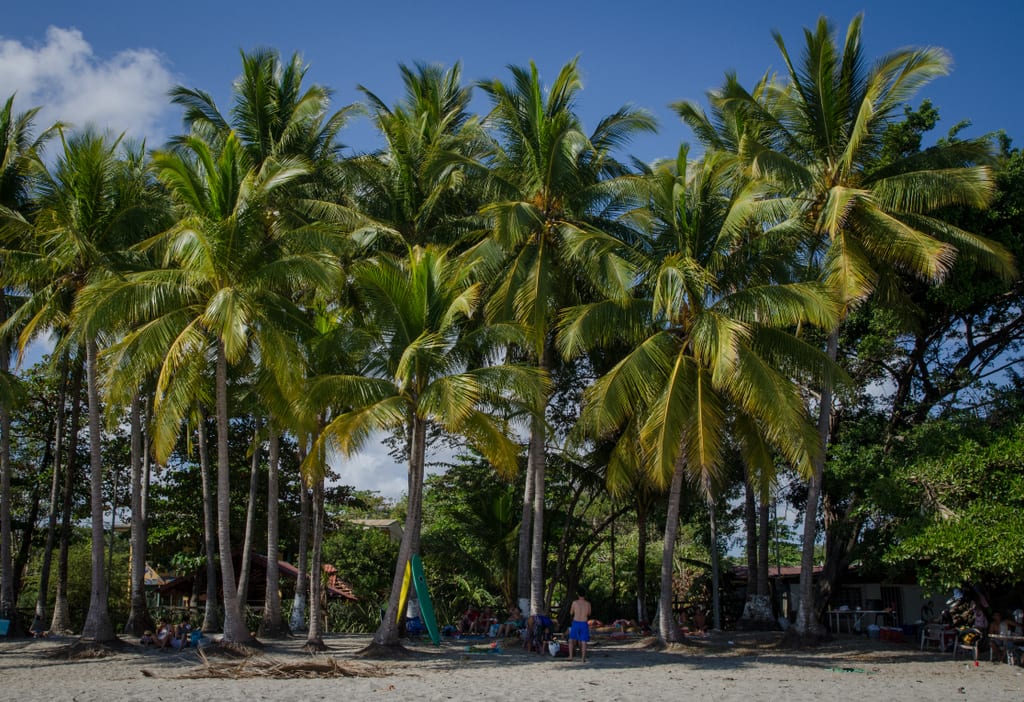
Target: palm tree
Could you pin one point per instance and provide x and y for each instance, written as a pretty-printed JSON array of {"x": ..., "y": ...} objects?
[
  {"x": 424, "y": 186},
  {"x": 274, "y": 116},
  {"x": 550, "y": 245},
  {"x": 818, "y": 138},
  {"x": 16, "y": 148},
  {"x": 225, "y": 293},
  {"x": 420, "y": 370},
  {"x": 91, "y": 205},
  {"x": 704, "y": 336}
]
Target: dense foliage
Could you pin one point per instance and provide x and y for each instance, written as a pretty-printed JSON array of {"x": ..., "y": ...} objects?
[{"x": 604, "y": 354}]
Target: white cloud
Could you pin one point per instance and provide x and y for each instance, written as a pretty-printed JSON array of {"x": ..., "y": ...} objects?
[
  {"x": 125, "y": 92},
  {"x": 373, "y": 469}
]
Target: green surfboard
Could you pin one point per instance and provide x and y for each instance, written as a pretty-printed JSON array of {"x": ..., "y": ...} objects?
[{"x": 419, "y": 581}]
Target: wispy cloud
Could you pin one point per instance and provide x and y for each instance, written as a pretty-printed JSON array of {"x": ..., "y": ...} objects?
[{"x": 124, "y": 92}]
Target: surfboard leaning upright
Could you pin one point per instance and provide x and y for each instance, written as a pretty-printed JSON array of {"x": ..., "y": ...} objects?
[
  {"x": 404, "y": 597},
  {"x": 419, "y": 581}
]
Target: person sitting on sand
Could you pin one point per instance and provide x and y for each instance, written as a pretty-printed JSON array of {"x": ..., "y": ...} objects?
[
  {"x": 579, "y": 631},
  {"x": 182, "y": 632},
  {"x": 699, "y": 621},
  {"x": 513, "y": 624},
  {"x": 164, "y": 633},
  {"x": 468, "y": 623},
  {"x": 167, "y": 636},
  {"x": 147, "y": 638}
]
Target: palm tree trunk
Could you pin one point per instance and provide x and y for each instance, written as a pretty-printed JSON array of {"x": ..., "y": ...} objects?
[
  {"x": 525, "y": 534},
  {"x": 641, "y": 562},
  {"x": 42, "y": 593},
  {"x": 98, "y": 626},
  {"x": 235, "y": 630},
  {"x": 51, "y": 521},
  {"x": 61, "y": 621},
  {"x": 113, "y": 525},
  {"x": 138, "y": 616},
  {"x": 750, "y": 522},
  {"x": 537, "y": 551},
  {"x": 757, "y": 610},
  {"x": 668, "y": 629},
  {"x": 538, "y": 438},
  {"x": 273, "y": 625},
  {"x": 211, "y": 620},
  {"x": 716, "y": 603},
  {"x": 314, "y": 638},
  {"x": 387, "y": 633},
  {"x": 27, "y": 536},
  {"x": 807, "y": 624},
  {"x": 6, "y": 563},
  {"x": 764, "y": 527},
  {"x": 612, "y": 567},
  {"x": 298, "y": 617},
  {"x": 245, "y": 572}
]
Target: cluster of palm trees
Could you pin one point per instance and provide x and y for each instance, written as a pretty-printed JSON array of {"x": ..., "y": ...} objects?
[{"x": 250, "y": 267}]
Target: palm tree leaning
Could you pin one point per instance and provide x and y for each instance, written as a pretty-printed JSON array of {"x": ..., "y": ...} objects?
[
  {"x": 422, "y": 367},
  {"x": 550, "y": 244},
  {"x": 818, "y": 139},
  {"x": 703, "y": 336}
]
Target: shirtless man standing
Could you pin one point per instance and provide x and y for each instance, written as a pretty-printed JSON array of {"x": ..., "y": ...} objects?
[{"x": 580, "y": 629}]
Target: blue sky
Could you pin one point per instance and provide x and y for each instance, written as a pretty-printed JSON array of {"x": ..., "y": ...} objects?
[
  {"x": 113, "y": 62},
  {"x": 644, "y": 52}
]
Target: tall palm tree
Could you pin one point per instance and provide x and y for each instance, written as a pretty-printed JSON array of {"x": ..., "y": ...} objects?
[
  {"x": 818, "y": 137},
  {"x": 275, "y": 116},
  {"x": 421, "y": 369},
  {"x": 224, "y": 293},
  {"x": 17, "y": 145},
  {"x": 702, "y": 339},
  {"x": 92, "y": 204},
  {"x": 550, "y": 243},
  {"x": 272, "y": 114}
]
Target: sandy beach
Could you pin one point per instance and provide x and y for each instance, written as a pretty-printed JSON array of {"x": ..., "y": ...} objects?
[{"x": 727, "y": 666}]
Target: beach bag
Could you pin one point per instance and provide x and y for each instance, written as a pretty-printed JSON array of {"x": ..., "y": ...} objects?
[{"x": 558, "y": 650}]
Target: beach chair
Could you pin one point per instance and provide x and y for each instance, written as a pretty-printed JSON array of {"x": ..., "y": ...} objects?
[
  {"x": 934, "y": 634},
  {"x": 968, "y": 639}
]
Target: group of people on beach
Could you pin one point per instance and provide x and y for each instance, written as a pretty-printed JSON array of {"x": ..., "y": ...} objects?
[
  {"x": 169, "y": 636},
  {"x": 535, "y": 631}
]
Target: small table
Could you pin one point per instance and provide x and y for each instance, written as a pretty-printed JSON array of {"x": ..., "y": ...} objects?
[
  {"x": 854, "y": 615},
  {"x": 1010, "y": 642}
]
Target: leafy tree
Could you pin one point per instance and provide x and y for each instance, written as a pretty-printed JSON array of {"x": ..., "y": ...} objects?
[
  {"x": 472, "y": 519},
  {"x": 970, "y": 500},
  {"x": 818, "y": 135}
]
